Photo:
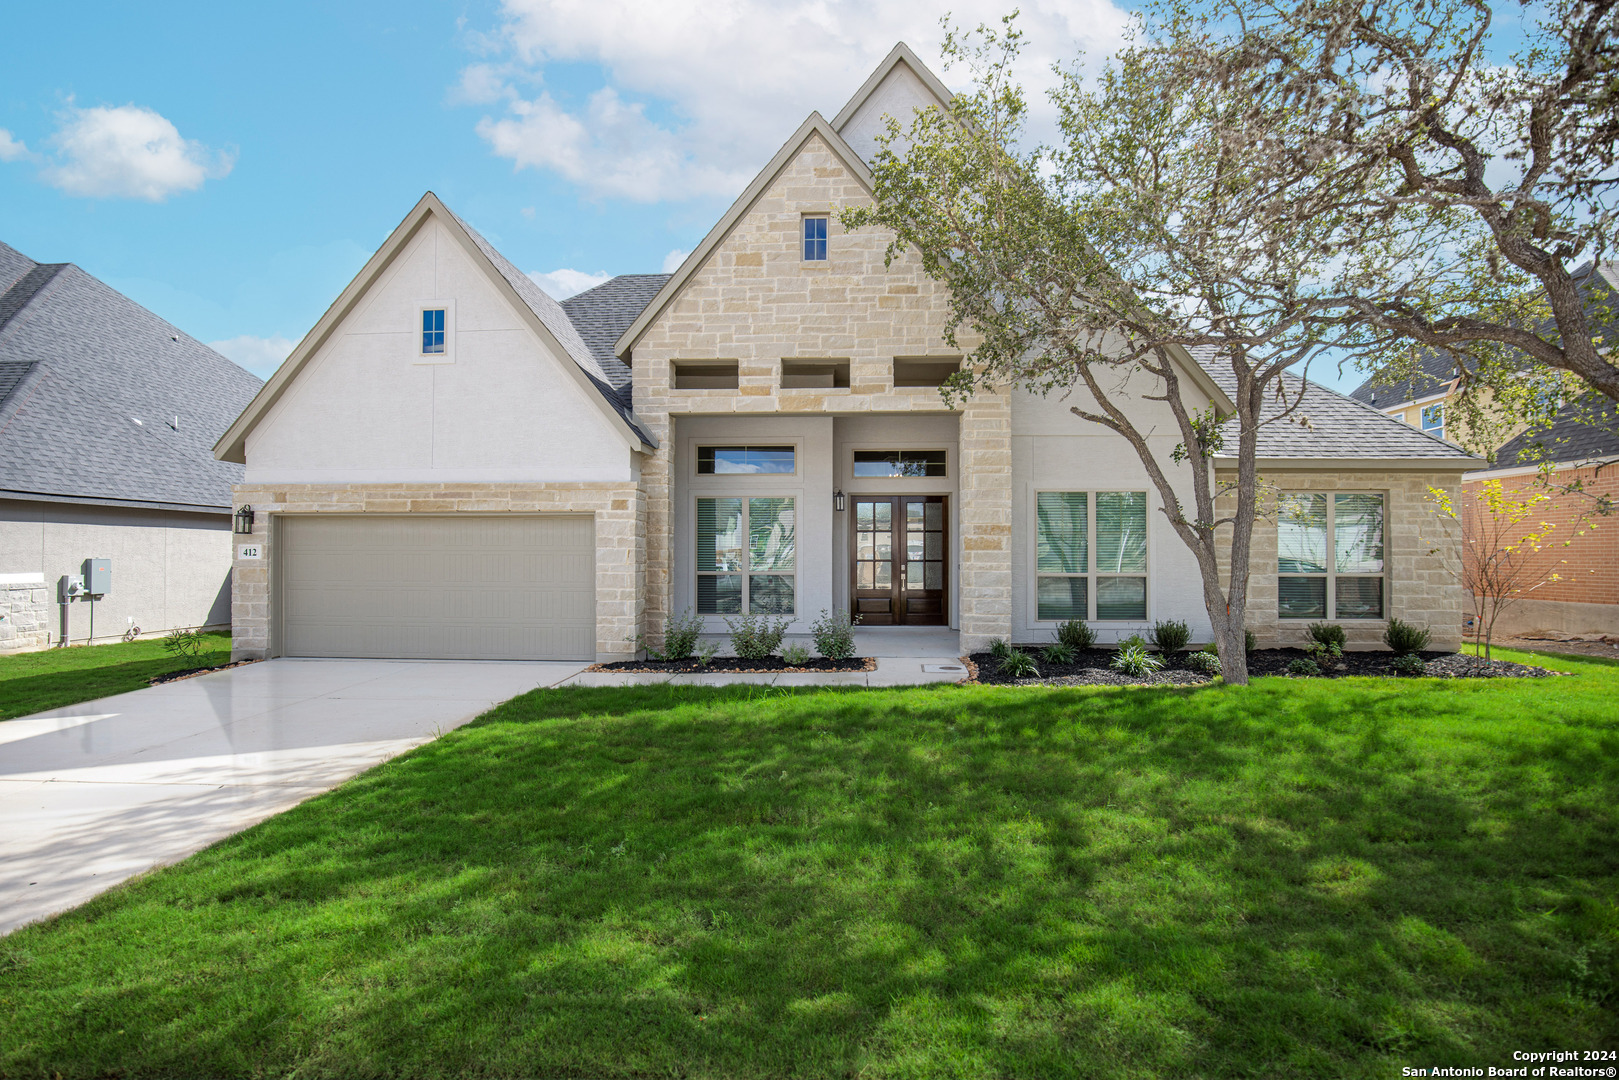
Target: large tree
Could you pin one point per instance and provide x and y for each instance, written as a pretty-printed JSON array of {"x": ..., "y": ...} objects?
[
  {"x": 1516, "y": 144},
  {"x": 1176, "y": 216}
]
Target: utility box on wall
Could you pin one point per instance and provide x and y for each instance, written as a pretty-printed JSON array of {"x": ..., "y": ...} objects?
[{"x": 98, "y": 576}]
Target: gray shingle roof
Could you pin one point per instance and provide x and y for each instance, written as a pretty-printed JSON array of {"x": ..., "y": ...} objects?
[
  {"x": 562, "y": 328},
  {"x": 1328, "y": 424},
  {"x": 603, "y": 313},
  {"x": 1581, "y": 431},
  {"x": 89, "y": 362}
]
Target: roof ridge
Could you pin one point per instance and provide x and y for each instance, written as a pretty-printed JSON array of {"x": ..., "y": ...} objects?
[{"x": 26, "y": 288}]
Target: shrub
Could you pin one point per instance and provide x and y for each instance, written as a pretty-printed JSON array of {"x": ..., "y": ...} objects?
[
  {"x": 1019, "y": 665},
  {"x": 1133, "y": 641},
  {"x": 183, "y": 644},
  {"x": 834, "y": 634},
  {"x": 1076, "y": 635},
  {"x": 1204, "y": 661},
  {"x": 1409, "y": 664},
  {"x": 705, "y": 653},
  {"x": 1171, "y": 636},
  {"x": 795, "y": 655},
  {"x": 756, "y": 637},
  {"x": 1303, "y": 666},
  {"x": 1327, "y": 634},
  {"x": 1057, "y": 653},
  {"x": 1249, "y": 642},
  {"x": 999, "y": 649},
  {"x": 1134, "y": 660},
  {"x": 679, "y": 638},
  {"x": 1404, "y": 638},
  {"x": 1326, "y": 655}
]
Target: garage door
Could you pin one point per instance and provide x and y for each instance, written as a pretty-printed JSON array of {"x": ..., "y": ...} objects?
[{"x": 468, "y": 587}]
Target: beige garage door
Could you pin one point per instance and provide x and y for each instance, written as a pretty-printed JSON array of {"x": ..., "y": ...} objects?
[{"x": 467, "y": 587}]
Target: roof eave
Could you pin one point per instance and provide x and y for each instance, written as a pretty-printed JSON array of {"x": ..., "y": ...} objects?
[{"x": 1458, "y": 463}]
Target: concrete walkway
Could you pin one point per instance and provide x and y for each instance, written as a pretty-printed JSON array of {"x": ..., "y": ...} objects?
[{"x": 95, "y": 793}]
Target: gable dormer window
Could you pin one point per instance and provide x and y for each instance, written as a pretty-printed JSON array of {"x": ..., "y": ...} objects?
[
  {"x": 433, "y": 331},
  {"x": 814, "y": 237}
]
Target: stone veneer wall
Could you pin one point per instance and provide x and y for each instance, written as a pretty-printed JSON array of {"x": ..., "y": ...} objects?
[
  {"x": 1422, "y": 556},
  {"x": 619, "y": 510},
  {"x": 25, "y": 611},
  {"x": 755, "y": 301}
]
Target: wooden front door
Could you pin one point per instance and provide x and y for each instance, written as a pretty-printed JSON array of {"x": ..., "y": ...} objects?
[{"x": 901, "y": 567}]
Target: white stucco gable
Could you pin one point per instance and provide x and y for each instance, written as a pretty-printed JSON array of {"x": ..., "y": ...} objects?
[
  {"x": 359, "y": 403},
  {"x": 899, "y": 87}
]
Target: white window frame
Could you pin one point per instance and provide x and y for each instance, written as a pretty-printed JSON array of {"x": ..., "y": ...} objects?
[
  {"x": 1332, "y": 575},
  {"x": 1436, "y": 430},
  {"x": 1091, "y": 574},
  {"x": 747, "y": 555},
  {"x": 448, "y": 355}
]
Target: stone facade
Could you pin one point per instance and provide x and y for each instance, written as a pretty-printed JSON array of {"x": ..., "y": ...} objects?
[
  {"x": 1422, "y": 556},
  {"x": 25, "y": 611},
  {"x": 619, "y": 510},
  {"x": 756, "y": 301}
]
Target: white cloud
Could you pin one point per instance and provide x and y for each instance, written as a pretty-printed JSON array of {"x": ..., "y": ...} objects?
[
  {"x": 260, "y": 355},
  {"x": 480, "y": 84},
  {"x": 672, "y": 261},
  {"x": 561, "y": 284},
  {"x": 131, "y": 152},
  {"x": 12, "y": 149},
  {"x": 737, "y": 78}
]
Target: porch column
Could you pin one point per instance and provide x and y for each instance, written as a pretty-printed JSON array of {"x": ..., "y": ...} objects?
[{"x": 986, "y": 519}]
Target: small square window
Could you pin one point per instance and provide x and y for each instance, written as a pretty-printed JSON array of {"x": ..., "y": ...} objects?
[
  {"x": 815, "y": 238},
  {"x": 432, "y": 331}
]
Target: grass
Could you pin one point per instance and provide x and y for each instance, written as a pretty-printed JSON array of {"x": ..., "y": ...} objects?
[
  {"x": 33, "y": 682},
  {"x": 1288, "y": 879}
]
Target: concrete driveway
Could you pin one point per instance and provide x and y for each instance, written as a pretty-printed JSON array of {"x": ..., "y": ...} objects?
[{"x": 95, "y": 793}]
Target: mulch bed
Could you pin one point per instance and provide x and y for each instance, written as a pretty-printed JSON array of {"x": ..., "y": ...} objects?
[
  {"x": 1093, "y": 667},
  {"x": 191, "y": 673},
  {"x": 771, "y": 665}
]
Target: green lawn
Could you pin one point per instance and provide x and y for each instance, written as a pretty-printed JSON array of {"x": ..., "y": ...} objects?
[
  {"x": 1311, "y": 879},
  {"x": 33, "y": 682}
]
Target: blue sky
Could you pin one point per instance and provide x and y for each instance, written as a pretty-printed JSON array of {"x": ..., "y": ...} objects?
[{"x": 231, "y": 167}]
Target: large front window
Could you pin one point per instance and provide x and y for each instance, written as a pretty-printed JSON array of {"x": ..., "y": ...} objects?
[
  {"x": 1091, "y": 566},
  {"x": 746, "y": 555},
  {"x": 1330, "y": 556}
]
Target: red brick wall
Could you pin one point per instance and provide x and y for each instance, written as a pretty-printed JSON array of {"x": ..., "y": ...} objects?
[{"x": 1589, "y": 570}]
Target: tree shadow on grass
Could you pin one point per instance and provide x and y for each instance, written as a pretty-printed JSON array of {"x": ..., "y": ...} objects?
[
  {"x": 966, "y": 882},
  {"x": 23, "y": 695}
]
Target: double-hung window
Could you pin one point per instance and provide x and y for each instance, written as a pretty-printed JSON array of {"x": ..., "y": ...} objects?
[
  {"x": 1330, "y": 556},
  {"x": 1091, "y": 565},
  {"x": 815, "y": 238},
  {"x": 1433, "y": 419},
  {"x": 746, "y": 555}
]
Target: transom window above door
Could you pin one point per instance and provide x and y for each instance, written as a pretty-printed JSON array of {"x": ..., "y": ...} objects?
[
  {"x": 899, "y": 463},
  {"x": 746, "y": 460}
]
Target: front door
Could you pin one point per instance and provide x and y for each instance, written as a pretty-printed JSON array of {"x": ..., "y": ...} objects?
[{"x": 900, "y": 563}]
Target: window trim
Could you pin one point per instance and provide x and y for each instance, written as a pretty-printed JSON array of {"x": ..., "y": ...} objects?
[
  {"x": 1091, "y": 574},
  {"x": 1332, "y": 575},
  {"x": 804, "y": 240},
  {"x": 944, "y": 452},
  {"x": 1436, "y": 430},
  {"x": 699, "y": 443},
  {"x": 747, "y": 555},
  {"x": 448, "y": 355}
]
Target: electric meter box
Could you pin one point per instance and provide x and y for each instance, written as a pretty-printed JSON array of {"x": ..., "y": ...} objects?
[{"x": 98, "y": 576}]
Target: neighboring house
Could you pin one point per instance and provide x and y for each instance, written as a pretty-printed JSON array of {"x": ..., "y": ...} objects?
[
  {"x": 107, "y": 418},
  {"x": 1425, "y": 396},
  {"x": 1582, "y": 449},
  {"x": 451, "y": 464}
]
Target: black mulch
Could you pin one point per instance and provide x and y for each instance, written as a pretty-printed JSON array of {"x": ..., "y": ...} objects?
[
  {"x": 735, "y": 663},
  {"x": 1093, "y": 667},
  {"x": 191, "y": 673}
]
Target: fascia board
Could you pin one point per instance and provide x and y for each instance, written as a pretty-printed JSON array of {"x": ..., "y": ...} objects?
[
  {"x": 814, "y": 125},
  {"x": 1204, "y": 382},
  {"x": 1459, "y": 463}
]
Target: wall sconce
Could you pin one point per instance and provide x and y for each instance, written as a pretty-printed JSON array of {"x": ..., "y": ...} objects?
[
  {"x": 244, "y": 520},
  {"x": 837, "y": 500}
]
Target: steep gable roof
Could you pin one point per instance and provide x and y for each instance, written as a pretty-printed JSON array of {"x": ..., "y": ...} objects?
[
  {"x": 813, "y": 127},
  {"x": 545, "y": 317},
  {"x": 603, "y": 313},
  {"x": 103, "y": 402}
]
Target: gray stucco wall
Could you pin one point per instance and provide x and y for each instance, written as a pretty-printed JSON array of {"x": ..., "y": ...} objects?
[{"x": 169, "y": 569}]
